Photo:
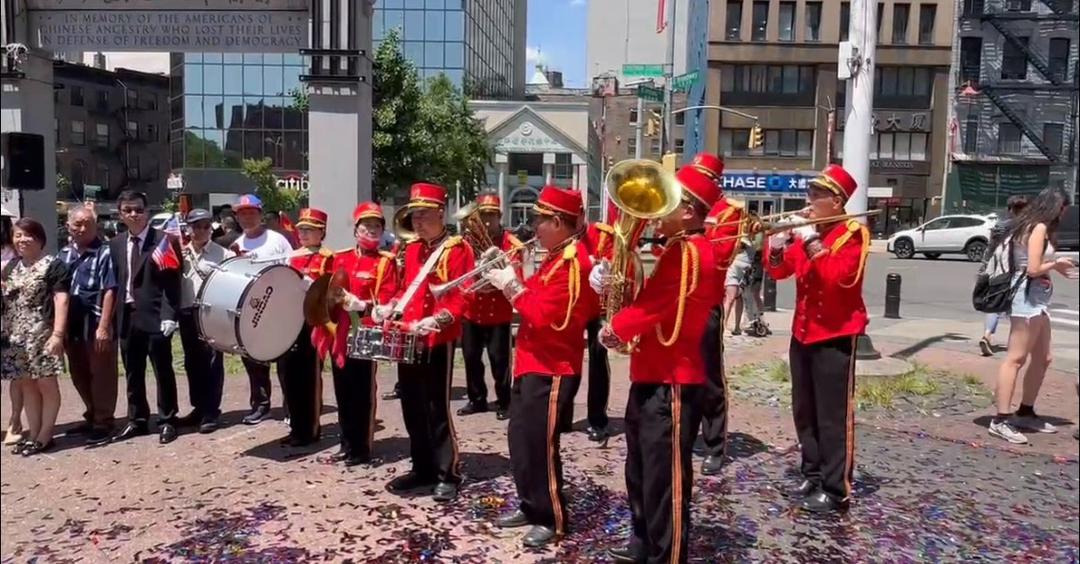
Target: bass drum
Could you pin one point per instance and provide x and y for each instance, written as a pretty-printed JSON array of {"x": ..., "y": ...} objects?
[{"x": 252, "y": 309}]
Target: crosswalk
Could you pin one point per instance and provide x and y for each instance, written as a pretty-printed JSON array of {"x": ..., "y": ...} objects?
[{"x": 1065, "y": 317}]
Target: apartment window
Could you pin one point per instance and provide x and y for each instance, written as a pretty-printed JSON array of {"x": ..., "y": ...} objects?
[
  {"x": 1054, "y": 136},
  {"x": 1059, "y": 58},
  {"x": 1014, "y": 61},
  {"x": 734, "y": 20},
  {"x": 788, "y": 143},
  {"x": 780, "y": 85},
  {"x": 845, "y": 20},
  {"x": 761, "y": 21},
  {"x": 104, "y": 179},
  {"x": 1018, "y": 5},
  {"x": 103, "y": 100},
  {"x": 734, "y": 142},
  {"x": 102, "y": 137},
  {"x": 680, "y": 144},
  {"x": 78, "y": 132},
  {"x": 132, "y": 98},
  {"x": 880, "y": 17},
  {"x": 787, "y": 21},
  {"x": 76, "y": 95},
  {"x": 564, "y": 167},
  {"x": 680, "y": 118},
  {"x": 927, "y": 15},
  {"x": 631, "y": 146},
  {"x": 151, "y": 101},
  {"x": 133, "y": 168},
  {"x": 654, "y": 147},
  {"x": 151, "y": 132},
  {"x": 973, "y": 7},
  {"x": 133, "y": 129},
  {"x": 971, "y": 135},
  {"x": 1008, "y": 139},
  {"x": 633, "y": 116},
  {"x": 903, "y": 87},
  {"x": 813, "y": 21},
  {"x": 970, "y": 59},
  {"x": 899, "y": 23}
]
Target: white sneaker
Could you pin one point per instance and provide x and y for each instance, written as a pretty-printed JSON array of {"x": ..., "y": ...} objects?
[
  {"x": 1004, "y": 430},
  {"x": 1032, "y": 423}
]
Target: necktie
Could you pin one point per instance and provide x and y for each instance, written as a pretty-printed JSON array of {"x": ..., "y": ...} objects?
[{"x": 134, "y": 255}]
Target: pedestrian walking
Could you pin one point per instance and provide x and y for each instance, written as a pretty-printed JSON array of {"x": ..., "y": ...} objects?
[
  {"x": 1013, "y": 206},
  {"x": 1029, "y": 244}
]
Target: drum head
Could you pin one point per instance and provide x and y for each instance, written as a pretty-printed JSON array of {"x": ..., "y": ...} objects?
[{"x": 271, "y": 313}]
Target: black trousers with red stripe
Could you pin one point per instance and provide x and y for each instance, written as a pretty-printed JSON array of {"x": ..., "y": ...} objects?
[
  {"x": 495, "y": 339},
  {"x": 425, "y": 406},
  {"x": 822, "y": 403},
  {"x": 714, "y": 421},
  {"x": 301, "y": 371},
  {"x": 661, "y": 426},
  {"x": 354, "y": 389},
  {"x": 539, "y": 406}
]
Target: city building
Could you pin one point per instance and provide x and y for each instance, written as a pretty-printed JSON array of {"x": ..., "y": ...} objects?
[
  {"x": 1016, "y": 76},
  {"x": 618, "y": 119},
  {"x": 478, "y": 44},
  {"x": 111, "y": 132},
  {"x": 776, "y": 60},
  {"x": 623, "y": 32}
]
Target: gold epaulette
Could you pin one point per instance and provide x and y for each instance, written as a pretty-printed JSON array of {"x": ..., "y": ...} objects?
[
  {"x": 326, "y": 252},
  {"x": 387, "y": 254},
  {"x": 604, "y": 227},
  {"x": 453, "y": 240},
  {"x": 515, "y": 243},
  {"x": 854, "y": 226}
]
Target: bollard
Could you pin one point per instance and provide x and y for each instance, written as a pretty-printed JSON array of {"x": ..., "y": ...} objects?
[
  {"x": 892, "y": 296},
  {"x": 768, "y": 290}
]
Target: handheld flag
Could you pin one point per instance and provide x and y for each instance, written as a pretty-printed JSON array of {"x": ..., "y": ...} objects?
[
  {"x": 289, "y": 229},
  {"x": 164, "y": 255}
]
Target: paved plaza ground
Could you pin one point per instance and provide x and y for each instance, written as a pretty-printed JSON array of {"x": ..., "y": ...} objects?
[{"x": 931, "y": 484}]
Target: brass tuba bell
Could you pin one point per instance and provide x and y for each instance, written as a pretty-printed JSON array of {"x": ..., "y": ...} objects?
[{"x": 403, "y": 228}]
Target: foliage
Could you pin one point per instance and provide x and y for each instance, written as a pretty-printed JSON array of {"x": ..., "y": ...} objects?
[
  {"x": 457, "y": 146},
  {"x": 63, "y": 187},
  {"x": 274, "y": 199},
  {"x": 206, "y": 153},
  {"x": 300, "y": 100}
]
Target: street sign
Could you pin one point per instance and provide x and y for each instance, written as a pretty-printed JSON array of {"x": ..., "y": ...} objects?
[
  {"x": 685, "y": 81},
  {"x": 650, "y": 93},
  {"x": 648, "y": 71}
]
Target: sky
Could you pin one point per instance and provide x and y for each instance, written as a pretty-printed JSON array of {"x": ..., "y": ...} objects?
[{"x": 555, "y": 37}]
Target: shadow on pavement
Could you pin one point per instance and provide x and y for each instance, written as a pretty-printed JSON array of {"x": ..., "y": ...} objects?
[
  {"x": 914, "y": 349},
  {"x": 275, "y": 451},
  {"x": 984, "y": 421}
]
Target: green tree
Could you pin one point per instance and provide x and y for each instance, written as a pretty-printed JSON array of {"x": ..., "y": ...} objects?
[
  {"x": 455, "y": 142},
  {"x": 274, "y": 199},
  {"x": 202, "y": 153}
]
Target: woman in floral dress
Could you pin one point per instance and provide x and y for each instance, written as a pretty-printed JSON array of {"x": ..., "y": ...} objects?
[
  {"x": 7, "y": 254},
  {"x": 35, "y": 299}
]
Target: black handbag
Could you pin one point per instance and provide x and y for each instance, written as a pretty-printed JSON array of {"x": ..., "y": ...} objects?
[{"x": 995, "y": 286}]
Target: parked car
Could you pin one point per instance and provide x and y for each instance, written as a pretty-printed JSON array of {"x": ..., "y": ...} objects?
[
  {"x": 1068, "y": 232},
  {"x": 953, "y": 234}
]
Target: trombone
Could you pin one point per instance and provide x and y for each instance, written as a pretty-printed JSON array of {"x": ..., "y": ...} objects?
[
  {"x": 770, "y": 228},
  {"x": 751, "y": 217},
  {"x": 495, "y": 260}
]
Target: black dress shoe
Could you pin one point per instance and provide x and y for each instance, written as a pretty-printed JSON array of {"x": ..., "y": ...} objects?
[
  {"x": 512, "y": 520},
  {"x": 410, "y": 481},
  {"x": 190, "y": 420},
  {"x": 538, "y": 536},
  {"x": 802, "y": 490},
  {"x": 130, "y": 431},
  {"x": 502, "y": 414},
  {"x": 256, "y": 416},
  {"x": 356, "y": 460},
  {"x": 98, "y": 438},
  {"x": 626, "y": 554},
  {"x": 444, "y": 492},
  {"x": 208, "y": 426},
  {"x": 712, "y": 465},
  {"x": 473, "y": 407},
  {"x": 80, "y": 429},
  {"x": 167, "y": 433},
  {"x": 597, "y": 434},
  {"x": 821, "y": 502}
]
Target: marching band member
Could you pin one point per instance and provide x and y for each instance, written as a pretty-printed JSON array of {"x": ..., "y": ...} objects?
[
  {"x": 827, "y": 261},
  {"x": 425, "y": 386},
  {"x": 302, "y": 366},
  {"x": 555, "y": 307},
  {"x": 668, "y": 375},
  {"x": 487, "y": 324},
  {"x": 598, "y": 240},
  {"x": 372, "y": 279}
]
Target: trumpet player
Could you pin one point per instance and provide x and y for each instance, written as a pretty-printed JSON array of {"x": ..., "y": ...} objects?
[
  {"x": 372, "y": 279},
  {"x": 668, "y": 372},
  {"x": 827, "y": 261},
  {"x": 487, "y": 320},
  {"x": 434, "y": 257},
  {"x": 555, "y": 307}
]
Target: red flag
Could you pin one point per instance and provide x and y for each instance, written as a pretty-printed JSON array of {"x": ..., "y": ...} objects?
[{"x": 289, "y": 229}]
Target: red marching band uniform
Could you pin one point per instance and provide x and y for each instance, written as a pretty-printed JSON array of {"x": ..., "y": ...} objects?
[
  {"x": 302, "y": 381},
  {"x": 425, "y": 386},
  {"x": 668, "y": 371},
  {"x": 829, "y": 317}
]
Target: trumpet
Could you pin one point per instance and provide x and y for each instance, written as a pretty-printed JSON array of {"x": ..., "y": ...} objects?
[
  {"x": 770, "y": 228},
  {"x": 495, "y": 260},
  {"x": 750, "y": 217}
]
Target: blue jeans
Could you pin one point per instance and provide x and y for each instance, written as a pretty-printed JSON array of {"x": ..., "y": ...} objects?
[{"x": 991, "y": 323}]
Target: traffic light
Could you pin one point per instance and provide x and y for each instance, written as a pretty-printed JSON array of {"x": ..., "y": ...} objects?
[
  {"x": 652, "y": 125},
  {"x": 668, "y": 162},
  {"x": 757, "y": 137}
]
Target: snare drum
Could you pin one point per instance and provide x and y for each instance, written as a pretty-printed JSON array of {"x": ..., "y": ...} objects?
[
  {"x": 251, "y": 309},
  {"x": 376, "y": 343}
]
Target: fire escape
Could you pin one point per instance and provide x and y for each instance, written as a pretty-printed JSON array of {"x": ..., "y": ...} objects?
[
  {"x": 131, "y": 142},
  {"x": 1022, "y": 10}
]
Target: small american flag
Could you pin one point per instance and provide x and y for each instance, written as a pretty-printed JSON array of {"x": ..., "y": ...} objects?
[{"x": 164, "y": 253}]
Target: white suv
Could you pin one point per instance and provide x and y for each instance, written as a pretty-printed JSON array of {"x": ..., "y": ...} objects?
[{"x": 954, "y": 234}]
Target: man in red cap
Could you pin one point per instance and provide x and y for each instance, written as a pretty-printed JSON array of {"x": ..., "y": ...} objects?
[
  {"x": 665, "y": 327},
  {"x": 487, "y": 322},
  {"x": 598, "y": 240},
  {"x": 555, "y": 306},
  {"x": 433, "y": 258},
  {"x": 827, "y": 261},
  {"x": 372, "y": 280}
]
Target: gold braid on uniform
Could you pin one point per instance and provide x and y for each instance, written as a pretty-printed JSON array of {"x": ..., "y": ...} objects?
[
  {"x": 687, "y": 284},
  {"x": 573, "y": 283},
  {"x": 442, "y": 270},
  {"x": 380, "y": 272},
  {"x": 853, "y": 227}
]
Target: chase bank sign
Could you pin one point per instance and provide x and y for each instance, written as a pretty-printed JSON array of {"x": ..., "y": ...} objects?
[{"x": 783, "y": 182}]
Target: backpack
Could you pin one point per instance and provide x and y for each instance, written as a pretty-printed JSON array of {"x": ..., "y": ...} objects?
[{"x": 994, "y": 285}]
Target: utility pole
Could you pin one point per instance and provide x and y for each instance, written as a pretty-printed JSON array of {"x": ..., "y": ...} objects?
[
  {"x": 859, "y": 110},
  {"x": 639, "y": 129},
  {"x": 666, "y": 142}
]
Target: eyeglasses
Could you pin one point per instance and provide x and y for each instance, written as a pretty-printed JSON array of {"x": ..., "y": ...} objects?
[{"x": 132, "y": 211}]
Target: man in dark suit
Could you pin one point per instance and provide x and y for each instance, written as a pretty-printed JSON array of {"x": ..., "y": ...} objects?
[{"x": 149, "y": 298}]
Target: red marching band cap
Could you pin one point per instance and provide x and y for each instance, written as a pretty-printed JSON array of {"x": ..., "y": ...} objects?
[
  {"x": 836, "y": 180},
  {"x": 708, "y": 164},
  {"x": 426, "y": 195},
  {"x": 489, "y": 201},
  {"x": 554, "y": 200},
  {"x": 365, "y": 210},
  {"x": 699, "y": 184},
  {"x": 312, "y": 217}
]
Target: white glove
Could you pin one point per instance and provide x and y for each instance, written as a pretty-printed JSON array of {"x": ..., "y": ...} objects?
[
  {"x": 597, "y": 275},
  {"x": 501, "y": 277},
  {"x": 382, "y": 312},
  {"x": 168, "y": 328},
  {"x": 426, "y": 326},
  {"x": 779, "y": 240},
  {"x": 806, "y": 233},
  {"x": 353, "y": 303},
  {"x": 489, "y": 254}
]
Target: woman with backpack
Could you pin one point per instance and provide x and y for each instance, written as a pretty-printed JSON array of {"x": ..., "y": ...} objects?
[
  {"x": 1030, "y": 239},
  {"x": 1014, "y": 205}
]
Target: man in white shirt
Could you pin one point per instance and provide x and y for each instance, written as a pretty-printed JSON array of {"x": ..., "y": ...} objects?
[
  {"x": 259, "y": 242},
  {"x": 205, "y": 367}
]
